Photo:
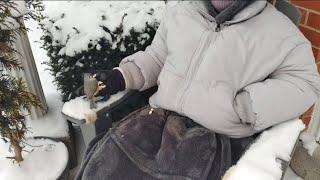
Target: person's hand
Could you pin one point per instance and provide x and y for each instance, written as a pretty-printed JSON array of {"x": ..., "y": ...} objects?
[
  {"x": 100, "y": 87},
  {"x": 243, "y": 107},
  {"x": 110, "y": 84}
]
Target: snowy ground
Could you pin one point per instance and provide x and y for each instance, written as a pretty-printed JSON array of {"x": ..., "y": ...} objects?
[
  {"x": 52, "y": 124},
  {"x": 46, "y": 160}
]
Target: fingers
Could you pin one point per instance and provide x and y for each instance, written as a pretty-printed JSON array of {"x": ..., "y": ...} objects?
[{"x": 100, "y": 87}]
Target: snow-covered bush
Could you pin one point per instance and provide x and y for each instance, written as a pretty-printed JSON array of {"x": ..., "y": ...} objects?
[{"x": 95, "y": 35}]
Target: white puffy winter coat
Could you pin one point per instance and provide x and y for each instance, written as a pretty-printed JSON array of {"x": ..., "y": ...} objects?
[{"x": 200, "y": 68}]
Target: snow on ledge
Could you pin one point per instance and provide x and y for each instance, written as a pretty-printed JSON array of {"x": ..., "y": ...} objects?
[
  {"x": 77, "y": 108},
  {"x": 46, "y": 160},
  {"x": 52, "y": 124},
  {"x": 260, "y": 161},
  {"x": 309, "y": 142}
]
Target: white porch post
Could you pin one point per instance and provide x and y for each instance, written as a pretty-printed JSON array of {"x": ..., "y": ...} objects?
[
  {"x": 30, "y": 72},
  {"x": 314, "y": 125}
]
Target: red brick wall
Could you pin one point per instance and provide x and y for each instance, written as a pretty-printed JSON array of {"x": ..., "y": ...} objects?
[{"x": 310, "y": 26}]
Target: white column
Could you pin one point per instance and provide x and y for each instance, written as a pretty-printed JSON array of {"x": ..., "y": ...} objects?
[
  {"x": 314, "y": 125},
  {"x": 30, "y": 72}
]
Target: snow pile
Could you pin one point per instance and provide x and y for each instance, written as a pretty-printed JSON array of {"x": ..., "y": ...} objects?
[
  {"x": 261, "y": 160},
  {"x": 79, "y": 107},
  {"x": 46, "y": 160},
  {"x": 52, "y": 124},
  {"x": 309, "y": 142},
  {"x": 75, "y": 24}
]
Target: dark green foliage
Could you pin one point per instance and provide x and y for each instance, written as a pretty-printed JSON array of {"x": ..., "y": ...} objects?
[
  {"x": 7, "y": 37},
  {"x": 15, "y": 100},
  {"x": 14, "y": 97},
  {"x": 68, "y": 70}
]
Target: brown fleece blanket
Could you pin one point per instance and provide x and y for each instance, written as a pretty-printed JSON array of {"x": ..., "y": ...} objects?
[{"x": 160, "y": 145}]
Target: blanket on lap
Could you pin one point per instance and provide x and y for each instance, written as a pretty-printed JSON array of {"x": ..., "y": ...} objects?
[{"x": 160, "y": 145}]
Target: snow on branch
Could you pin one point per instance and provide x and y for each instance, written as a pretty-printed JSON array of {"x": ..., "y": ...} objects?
[{"x": 76, "y": 24}]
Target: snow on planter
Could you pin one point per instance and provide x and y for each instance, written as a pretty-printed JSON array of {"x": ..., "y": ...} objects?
[
  {"x": 261, "y": 160},
  {"x": 84, "y": 36},
  {"x": 79, "y": 107},
  {"x": 46, "y": 160}
]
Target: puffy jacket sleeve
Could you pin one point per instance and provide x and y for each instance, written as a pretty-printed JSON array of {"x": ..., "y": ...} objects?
[
  {"x": 287, "y": 92},
  {"x": 150, "y": 61}
]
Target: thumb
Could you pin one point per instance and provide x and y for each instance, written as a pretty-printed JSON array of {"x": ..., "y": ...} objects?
[{"x": 100, "y": 87}]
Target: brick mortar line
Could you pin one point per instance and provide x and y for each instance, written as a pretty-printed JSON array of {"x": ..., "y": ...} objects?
[
  {"x": 307, "y": 115},
  {"x": 310, "y": 28},
  {"x": 306, "y": 18},
  {"x": 308, "y": 10},
  {"x": 317, "y": 58},
  {"x": 318, "y": 48}
]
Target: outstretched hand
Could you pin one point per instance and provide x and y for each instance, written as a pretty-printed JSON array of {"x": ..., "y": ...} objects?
[
  {"x": 100, "y": 89},
  {"x": 110, "y": 84}
]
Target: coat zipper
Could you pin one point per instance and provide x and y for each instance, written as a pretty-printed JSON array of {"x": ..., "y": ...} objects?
[
  {"x": 195, "y": 68},
  {"x": 196, "y": 61},
  {"x": 188, "y": 69},
  {"x": 218, "y": 28}
]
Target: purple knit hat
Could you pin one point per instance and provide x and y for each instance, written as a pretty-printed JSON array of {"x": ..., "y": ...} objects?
[{"x": 221, "y": 5}]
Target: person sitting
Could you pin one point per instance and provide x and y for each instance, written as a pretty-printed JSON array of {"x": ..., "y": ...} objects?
[{"x": 225, "y": 70}]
